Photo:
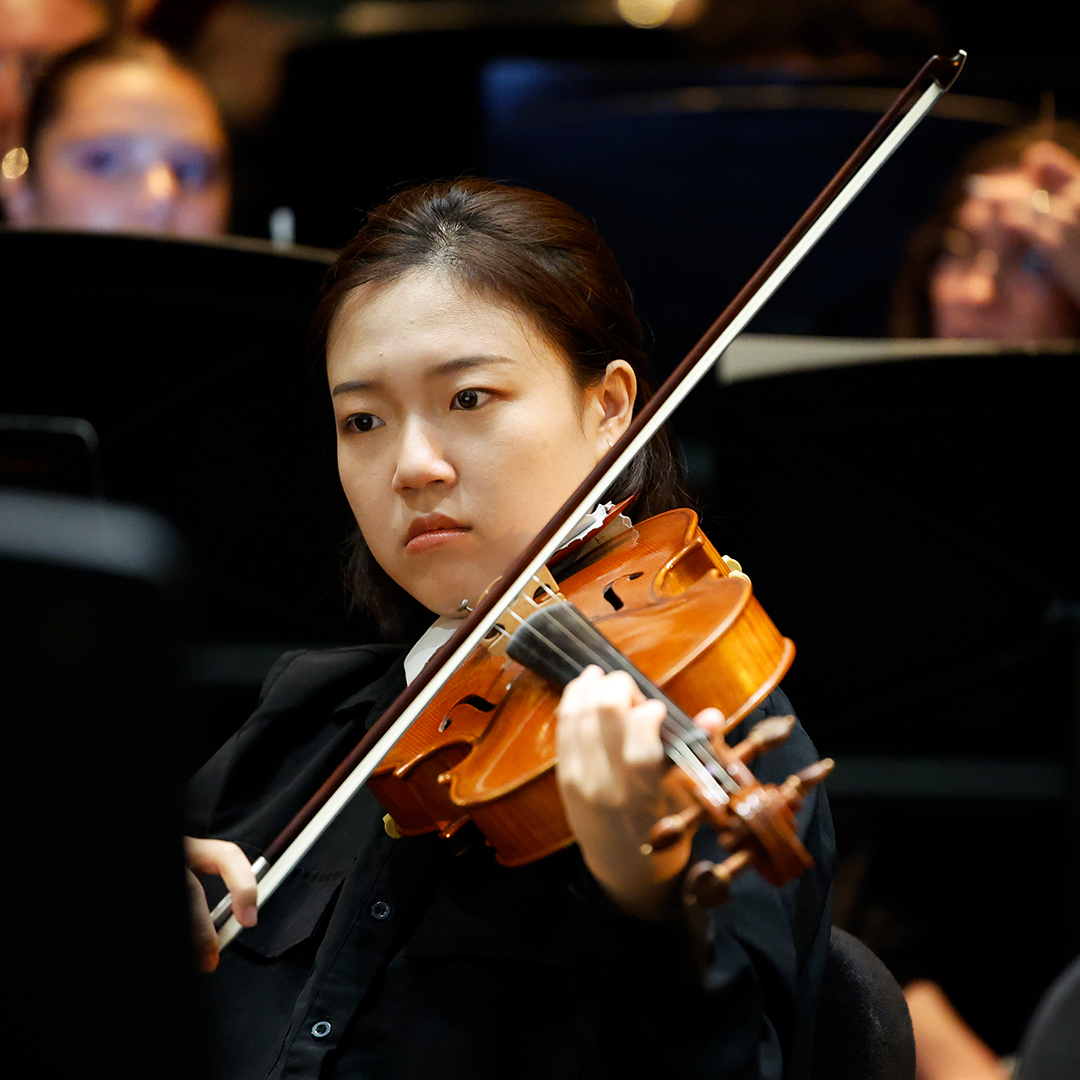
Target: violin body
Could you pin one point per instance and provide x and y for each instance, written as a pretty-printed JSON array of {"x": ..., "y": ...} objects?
[{"x": 485, "y": 749}]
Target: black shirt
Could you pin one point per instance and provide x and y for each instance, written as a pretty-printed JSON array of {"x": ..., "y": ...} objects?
[{"x": 420, "y": 957}]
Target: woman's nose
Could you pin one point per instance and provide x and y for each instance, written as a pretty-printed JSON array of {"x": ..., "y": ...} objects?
[
  {"x": 160, "y": 187},
  {"x": 421, "y": 459}
]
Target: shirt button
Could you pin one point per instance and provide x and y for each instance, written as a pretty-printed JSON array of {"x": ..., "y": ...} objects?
[
  {"x": 321, "y": 1029},
  {"x": 380, "y": 910}
]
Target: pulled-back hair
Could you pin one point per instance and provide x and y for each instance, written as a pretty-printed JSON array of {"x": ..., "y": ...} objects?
[{"x": 525, "y": 251}]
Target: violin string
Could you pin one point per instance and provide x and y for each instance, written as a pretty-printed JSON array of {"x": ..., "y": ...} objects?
[
  {"x": 544, "y": 587},
  {"x": 684, "y": 757},
  {"x": 678, "y": 730},
  {"x": 686, "y": 740},
  {"x": 678, "y": 725},
  {"x": 684, "y": 743},
  {"x": 683, "y": 740}
]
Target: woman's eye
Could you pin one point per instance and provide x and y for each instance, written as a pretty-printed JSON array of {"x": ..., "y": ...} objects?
[
  {"x": 101, "y": 161},
  {"x": 362, "y": 422},
  {"x": 470, "y": 399},
  {"x": 1034, "y": 262},
  {"x": 195, "y": 170}
]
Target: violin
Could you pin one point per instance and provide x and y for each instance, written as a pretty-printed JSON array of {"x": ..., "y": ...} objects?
[
  {"x": 660, "y": 603},
  {"x": 472, "y": 737}
]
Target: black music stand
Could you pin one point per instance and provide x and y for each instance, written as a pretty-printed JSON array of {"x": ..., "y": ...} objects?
[
  {"x": 190, "y": 362},
  {"x": 906, "y": 513},
  {"x": 99, "y": 946}
]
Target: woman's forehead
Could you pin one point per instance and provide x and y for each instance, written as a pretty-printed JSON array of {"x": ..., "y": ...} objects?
[
  {"x": 424, "y": 330},
  {"x": 430, "y": 301},
  {"x": 137, "y": 96}
]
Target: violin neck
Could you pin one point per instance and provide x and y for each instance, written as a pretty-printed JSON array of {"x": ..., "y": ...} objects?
[{"x": 558, "y": 643}]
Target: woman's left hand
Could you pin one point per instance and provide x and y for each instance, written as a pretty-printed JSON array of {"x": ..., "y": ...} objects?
[{"x": 610, "y": 768}]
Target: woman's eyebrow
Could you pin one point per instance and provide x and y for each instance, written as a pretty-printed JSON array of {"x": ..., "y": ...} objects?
[
  {"x": 447, "y": 367},
  {"x": 354, "y": 385},
  {"x": 468, "y": 363}
]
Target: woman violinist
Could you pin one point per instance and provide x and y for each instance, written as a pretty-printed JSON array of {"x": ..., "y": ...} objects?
[{"x": 482, "y": 355}]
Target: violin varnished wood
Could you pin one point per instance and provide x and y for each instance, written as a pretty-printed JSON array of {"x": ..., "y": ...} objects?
[{"x": 661, "y": 594}]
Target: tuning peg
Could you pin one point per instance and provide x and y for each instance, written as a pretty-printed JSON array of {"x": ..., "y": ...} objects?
[
  {"x": 709, "y": 884},
  {"x": 795, "y": 788},
  {"x": 763, "y": 736},
  {"x": 668, "y": 830}
]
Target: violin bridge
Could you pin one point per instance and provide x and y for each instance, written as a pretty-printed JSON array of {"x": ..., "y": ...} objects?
[{"x": 543, "y": 589}]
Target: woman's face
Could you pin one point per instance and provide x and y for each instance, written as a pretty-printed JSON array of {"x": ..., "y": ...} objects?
[
  {"x": 135, "y": 147},
  {"x": 990, "y": 281},
  {"x": 460, "y": 431}
]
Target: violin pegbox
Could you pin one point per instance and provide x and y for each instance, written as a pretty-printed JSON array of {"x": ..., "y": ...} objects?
[
  {"x": 756, "y": 823},
  {"x": 760, "y": 833},
  {"x": 764, "y": 736}
]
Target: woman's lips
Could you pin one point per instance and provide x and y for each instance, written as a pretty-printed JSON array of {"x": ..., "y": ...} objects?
[{"x": 430, "y": 531}]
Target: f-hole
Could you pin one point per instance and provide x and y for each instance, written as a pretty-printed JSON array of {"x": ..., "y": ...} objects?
[
  {"x": 477, "y": 702},
  {"x": 613, "y": 598}
]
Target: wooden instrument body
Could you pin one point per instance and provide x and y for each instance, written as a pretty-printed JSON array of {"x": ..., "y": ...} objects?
[{"x": 485, "y": 749}]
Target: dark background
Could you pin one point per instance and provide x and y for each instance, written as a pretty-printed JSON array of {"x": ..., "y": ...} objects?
[{"x": 908, "y": 524}]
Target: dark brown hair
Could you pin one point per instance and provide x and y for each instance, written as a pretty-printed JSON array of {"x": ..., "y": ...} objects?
[
  {"x": 911, "y": 315},
  {"x": 523, "y": 250}
]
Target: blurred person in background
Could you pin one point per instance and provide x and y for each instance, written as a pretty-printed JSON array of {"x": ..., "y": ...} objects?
[
  {"x": 1000, "y": 259},
  {"x": 121, "y": 138}
]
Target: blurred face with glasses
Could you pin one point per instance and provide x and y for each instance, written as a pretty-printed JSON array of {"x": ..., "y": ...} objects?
[
  {"x": 1006, "y": 268},
  {"x": 136, "y": 146}
]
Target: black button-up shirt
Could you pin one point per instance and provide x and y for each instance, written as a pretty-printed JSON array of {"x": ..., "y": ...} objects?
[{"x": 420, "y": 957}]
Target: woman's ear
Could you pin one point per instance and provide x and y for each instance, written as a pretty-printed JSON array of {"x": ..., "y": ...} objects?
[{"x": 613, "y": 401}]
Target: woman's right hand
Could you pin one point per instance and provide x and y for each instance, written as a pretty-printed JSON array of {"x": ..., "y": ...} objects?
[{"x": 228, "y": 862}]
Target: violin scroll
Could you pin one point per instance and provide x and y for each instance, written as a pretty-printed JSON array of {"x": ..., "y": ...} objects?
[
  {"x": 759, "y": 830},
  {"x": 764, "y": 736}
]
